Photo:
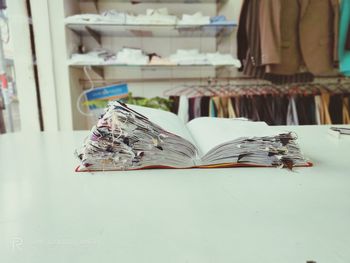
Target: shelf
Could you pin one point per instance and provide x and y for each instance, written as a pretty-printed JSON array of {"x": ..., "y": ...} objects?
[
  {"x": 192, "y": 70},
  {"x": 157, "y": 1},
  {"x": 150, "y": 66},
  {"x": 116, "y": 30}
]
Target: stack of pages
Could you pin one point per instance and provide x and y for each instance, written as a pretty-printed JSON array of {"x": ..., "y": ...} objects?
[{"x": 132, "y": 137}]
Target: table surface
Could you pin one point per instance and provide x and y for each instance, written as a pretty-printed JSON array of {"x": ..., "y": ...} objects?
[{"x": 49, "y": 213}]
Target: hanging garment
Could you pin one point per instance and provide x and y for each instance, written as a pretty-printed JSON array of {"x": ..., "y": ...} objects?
[
  {"x": 305, "y": 109},
  {"x": 248, "y": 107},
  {"x": 252, "y": 65},
  {"x": 336, "y": 108},
  {"x": 325, "y": 97},
  {"x": 231, "y": 109},
  {"x": 270, "y": 30},
  {"x": 248, "y": 42},
  {"x": 218, "y": 106},
  {"x": 212, "y": 108},
  {"x": 292, "y": 115},
  {"x": 256, "y": 108},
  {"x": 311, "y": 109},
  {"x": 269, "y": 115},
  {"x": 301, "y": 110},
  {"x": 346, "y": 108},
  {"x": 273, "y": 106},
  {"x": 236, "y": 104},
  {"x": 284, "y": 57},
  {"x": 205, "y": 106},
  {"x": 191, "y": 108},
  {"x": 347, "y": 43},
  {"x": 305, "y": 38},
  {"x": 344, "y": 28},
  {"x": 264, "y": 16},
  {"x": 280, "y": 111},
  {"x": 224, "y": 105},
  {"x": 183, "y": 109},
  {"x": 197, "y": 107},
  {"x": 242, "y": 38},
  {"x": 175, "y": 103},
  {"x": 319, "y": 112},
  {"x": 243, "y": 107},
  {"x": 265, "y": 109},
  {"x": 319, "y": 45}
]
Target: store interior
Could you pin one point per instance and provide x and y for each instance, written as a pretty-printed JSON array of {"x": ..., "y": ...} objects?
[
  {"x": 156, "y": 53},
  {"x": 174, "y": 131}
]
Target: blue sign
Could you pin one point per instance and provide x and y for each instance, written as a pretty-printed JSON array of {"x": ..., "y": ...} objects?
[{"x": 108, "y": 92}]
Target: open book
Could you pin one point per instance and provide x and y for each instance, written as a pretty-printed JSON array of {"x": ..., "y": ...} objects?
[{"x": 132, "y": 137}]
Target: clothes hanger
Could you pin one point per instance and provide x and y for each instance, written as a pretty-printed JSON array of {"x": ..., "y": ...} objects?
[
  {"x": 222, "y": 89},
  {"x": 191, "y": 91},
  {"x": 212, "y": 89},
  {"x": 176, "y": 91}
]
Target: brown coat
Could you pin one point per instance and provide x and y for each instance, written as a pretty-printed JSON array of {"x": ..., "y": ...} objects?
[
  {"x": 297, "y": 33},
  {"x": 251, "y": 41}
]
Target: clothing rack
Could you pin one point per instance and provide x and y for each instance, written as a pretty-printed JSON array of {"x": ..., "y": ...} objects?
[
  {"x": 297, "y": 104},
  {"x": 86, "y": 83},
  {"x": 324, "y": 101},
  {"x": 234, "y": 89},
  {"x": 83, "y": 81},
  {"x": 138, "y": 80}
]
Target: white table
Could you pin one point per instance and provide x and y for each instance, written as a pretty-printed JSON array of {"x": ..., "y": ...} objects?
[{"x": 49, "y": 213}]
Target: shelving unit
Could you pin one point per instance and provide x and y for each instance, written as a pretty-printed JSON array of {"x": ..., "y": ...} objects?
[
  {"x": 150, "y": 67},
  {"x": 98, "y": 30},
  {"x": 153, "y": 1},
  {"x": 153, "y": 38}
]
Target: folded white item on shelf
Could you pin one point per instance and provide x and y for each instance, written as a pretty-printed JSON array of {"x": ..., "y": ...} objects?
[
  {"x": 132, "y": 56},
  {"x": 223, "y": 59},
  {"x": 189, "y": 57},
  {"x": 156, "y": 60},
  {"x": 83, "y": 18},
  {"x": 135, "y": 56},
  {"x": 158, "y": 16},
  {"x": 96, "y": 57},
  {"x": 130, "y": 19},
  {"x": 85, "y": 59},
  {"x": 113, "y": 16},
  {"x": 109, "y": 16},
  {"x": 195, "y": 19},
  {"x": 152, "y": 17}
]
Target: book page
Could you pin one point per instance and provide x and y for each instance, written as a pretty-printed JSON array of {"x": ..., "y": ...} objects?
[
  {"x": 210, "y": 132},
  {"x": 167, "y": 120}
]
